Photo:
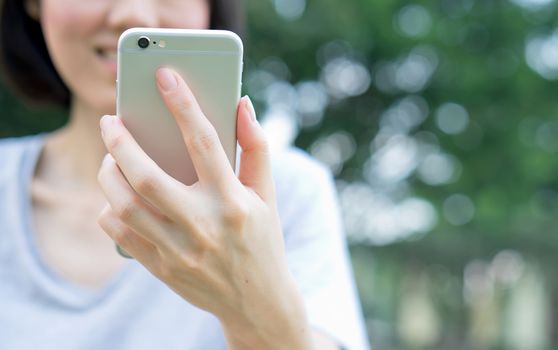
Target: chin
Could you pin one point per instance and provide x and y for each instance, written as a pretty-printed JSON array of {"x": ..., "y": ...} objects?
[
  {"x": 99, "y": 99},
  {"x": 106, "y": 102},
  {"x": 107, "y": 107}
]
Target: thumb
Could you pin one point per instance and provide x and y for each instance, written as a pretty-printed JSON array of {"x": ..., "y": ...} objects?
[{"x": 255, "y": 163}]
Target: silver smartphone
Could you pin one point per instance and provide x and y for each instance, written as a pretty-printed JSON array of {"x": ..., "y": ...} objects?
[{"x": 210, "y": 61}]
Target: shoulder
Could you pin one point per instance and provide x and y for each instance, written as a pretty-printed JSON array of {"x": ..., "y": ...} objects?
[{"x": 11, "y": 145}]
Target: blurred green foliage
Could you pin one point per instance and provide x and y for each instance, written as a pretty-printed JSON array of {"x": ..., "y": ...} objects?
[
  {"x": 504, "y": 163},
  {"x": 508, "y": 166}
]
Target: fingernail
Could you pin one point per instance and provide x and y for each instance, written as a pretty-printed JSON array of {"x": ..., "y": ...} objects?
[
  {"x": 251, "y": 108},
  {"x": 166, "y": 79}
]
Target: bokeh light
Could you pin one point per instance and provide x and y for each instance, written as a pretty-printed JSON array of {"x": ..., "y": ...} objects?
[
  {"x": 452, "y": 118},
  {"x": 458, "y": 209},
  {"x": 414, "y": 21}
]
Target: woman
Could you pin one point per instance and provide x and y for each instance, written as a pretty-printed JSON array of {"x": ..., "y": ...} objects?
[{"x": 215, "y": 275}]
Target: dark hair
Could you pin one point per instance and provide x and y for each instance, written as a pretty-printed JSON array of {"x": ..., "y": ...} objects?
[{"x": 25, "y": 62}]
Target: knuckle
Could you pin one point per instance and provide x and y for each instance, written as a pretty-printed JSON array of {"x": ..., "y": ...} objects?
[
  {"x": 235, "y": 213},
  {"x": 188, "y": 263},
  {"x": 259, "y": 145},
  {"x": 183, "y": 105},
  {"x": 123, "y": 237},
  {"x": 204, "y": 141},
  {"x": 127, "y": 211},
  {"x": 209, "y": 247},
  {"x": 116, "y": 142},
  {"x": 145, "y": 185},
  {"x": 263, "y": 146},
  {"x": 262, "y": 150},
  {"x": 207, "y": 243},
  {"x": 179, "y": 264}
]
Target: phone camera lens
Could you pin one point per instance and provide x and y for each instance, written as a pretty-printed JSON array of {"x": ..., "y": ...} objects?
[{"x": 143, "y": 42}]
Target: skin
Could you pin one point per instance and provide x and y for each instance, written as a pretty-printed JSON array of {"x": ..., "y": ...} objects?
[{"x": 216, "y": 255}]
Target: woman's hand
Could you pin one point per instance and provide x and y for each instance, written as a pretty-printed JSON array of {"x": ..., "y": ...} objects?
[{"x": 217, "y": 243}]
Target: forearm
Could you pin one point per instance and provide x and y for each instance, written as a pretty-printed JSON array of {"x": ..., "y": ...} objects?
[{"x": 275, "y": 324}]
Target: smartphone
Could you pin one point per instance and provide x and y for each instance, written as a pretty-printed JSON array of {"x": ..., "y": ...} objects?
[{"x": 210, "y": 61}]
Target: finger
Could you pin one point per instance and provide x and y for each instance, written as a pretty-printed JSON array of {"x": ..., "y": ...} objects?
[
  {"x": 255, "y": 164},
  {"x": 201, "y": 139},
  {"x": 141, "y": 172},
  {"x": 129, "y": 207},
  {"x": 134, "y": 244}
]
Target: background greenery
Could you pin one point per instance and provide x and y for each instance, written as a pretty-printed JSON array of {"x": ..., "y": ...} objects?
[{"x": 439, "y": 120}]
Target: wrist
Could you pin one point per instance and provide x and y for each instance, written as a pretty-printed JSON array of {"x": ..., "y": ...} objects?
[{"x": 276, "y": 321}]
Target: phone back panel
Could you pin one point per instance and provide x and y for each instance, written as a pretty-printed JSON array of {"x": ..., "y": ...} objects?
[{"x": 210, "y": 62}]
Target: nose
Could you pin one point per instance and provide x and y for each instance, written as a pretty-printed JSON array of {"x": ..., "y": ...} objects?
[{"x": 126, "y": 14}]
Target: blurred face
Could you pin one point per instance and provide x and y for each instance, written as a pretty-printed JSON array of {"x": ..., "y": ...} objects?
[{"x": 82, "y": 38}]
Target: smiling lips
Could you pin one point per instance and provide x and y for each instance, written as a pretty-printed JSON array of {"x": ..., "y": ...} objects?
[
  {"x": 109, "y": 57},
  {"x": 106, "y": 53}
]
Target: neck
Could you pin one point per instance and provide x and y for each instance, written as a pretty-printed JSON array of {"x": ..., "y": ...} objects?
[{"x": 72, "y": 155}]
